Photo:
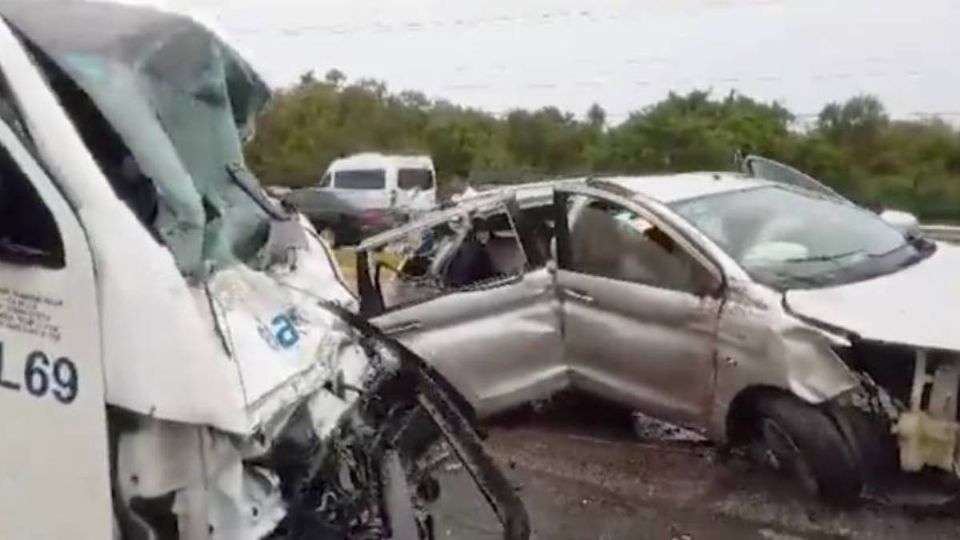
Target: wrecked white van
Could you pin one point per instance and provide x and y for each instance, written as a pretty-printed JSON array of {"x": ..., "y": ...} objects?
[{"x": 177, "y": 354}]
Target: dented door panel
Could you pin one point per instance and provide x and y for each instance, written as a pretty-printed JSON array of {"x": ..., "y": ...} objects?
[
  {"x": 648, "y": 348},
  {"x": 500, "y": 346},
  {"x": 634, "y": 330}
]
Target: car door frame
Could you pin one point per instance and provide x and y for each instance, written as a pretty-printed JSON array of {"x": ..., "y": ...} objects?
[
  {"x": 525, "y": 302},
  {"x": 37, "y": 405},
  {"x": 696, "y": 409}
]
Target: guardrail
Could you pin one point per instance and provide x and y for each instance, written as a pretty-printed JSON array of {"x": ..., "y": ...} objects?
[{"x": 944, "y": 233}]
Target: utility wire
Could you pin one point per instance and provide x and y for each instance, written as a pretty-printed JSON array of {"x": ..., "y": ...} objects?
[
  {"x": 686, "y": 81},
  {"x": 543, "y": 17}
]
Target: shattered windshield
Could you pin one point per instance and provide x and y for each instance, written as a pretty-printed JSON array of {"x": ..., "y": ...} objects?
[
  {"x": 179, "y": 101},
  {"x": 789, "y": 238}
]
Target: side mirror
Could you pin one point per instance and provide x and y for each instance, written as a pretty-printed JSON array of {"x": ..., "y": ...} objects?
[{"x": 905, "y": 222}]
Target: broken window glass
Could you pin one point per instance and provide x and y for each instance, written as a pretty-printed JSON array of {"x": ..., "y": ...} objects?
[
  {"x": 464, "y": 253},
  {"x": 180, "y": 100},
  {"x": 539, "y": 219},
  {"x": 614, "y": 242}
]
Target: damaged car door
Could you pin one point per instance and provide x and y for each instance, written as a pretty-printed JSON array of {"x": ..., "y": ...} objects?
[
  {"x": 640, "y": 306},
  {"x": 475, "y": 296}
]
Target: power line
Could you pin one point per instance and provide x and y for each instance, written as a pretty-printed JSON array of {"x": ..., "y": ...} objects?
[
  {"x": 554, "y": 84},
  {"x": 543, "y": 17},
  {"x": 797, "y": 117}
]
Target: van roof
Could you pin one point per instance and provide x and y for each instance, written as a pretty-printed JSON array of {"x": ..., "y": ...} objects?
[{"x": 373, "y": 160}]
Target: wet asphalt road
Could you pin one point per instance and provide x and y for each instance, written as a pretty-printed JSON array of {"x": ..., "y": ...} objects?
[{"x": 584, "y": 478}]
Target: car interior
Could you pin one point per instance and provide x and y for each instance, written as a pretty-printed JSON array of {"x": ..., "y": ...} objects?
[
  {"x": 484, "y": 250},
  {"x": 457, "y": 255},
  {"x": 610, "y": 242}
]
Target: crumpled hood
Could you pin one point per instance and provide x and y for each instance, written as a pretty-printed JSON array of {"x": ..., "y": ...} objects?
[{"x": 918, "y": 306}]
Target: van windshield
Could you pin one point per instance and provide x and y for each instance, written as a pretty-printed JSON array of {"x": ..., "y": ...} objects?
[
  {"x": 415, "y": 179},
  {"x": 360, "y": 179}
]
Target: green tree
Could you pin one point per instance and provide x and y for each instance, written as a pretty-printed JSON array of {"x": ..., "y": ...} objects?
[{"x": 854, "y": 145}]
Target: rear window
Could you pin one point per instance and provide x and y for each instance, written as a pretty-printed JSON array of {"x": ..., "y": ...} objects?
[
  {"x": 361, "y": 179},
  {"x": 415, "y": 179}
]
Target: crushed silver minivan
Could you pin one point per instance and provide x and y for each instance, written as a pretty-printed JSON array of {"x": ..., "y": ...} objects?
[
  {"x": 756, "y": 307},
  {"x": 179, "y": 357}
]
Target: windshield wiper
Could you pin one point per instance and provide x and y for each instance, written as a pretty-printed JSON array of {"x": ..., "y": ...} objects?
[
  {"x": 824, "y": 258},
  {"x": 786, "y": 280},
  {"x": 890, "y": 251}
]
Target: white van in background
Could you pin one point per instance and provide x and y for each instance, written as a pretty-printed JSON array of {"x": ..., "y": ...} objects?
[
  {"x": 404, "y": 181},
  {"x": 367, "y": 193}
]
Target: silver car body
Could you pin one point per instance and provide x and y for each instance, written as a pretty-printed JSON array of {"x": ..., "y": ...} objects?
[{"x": 686, "y": 356}]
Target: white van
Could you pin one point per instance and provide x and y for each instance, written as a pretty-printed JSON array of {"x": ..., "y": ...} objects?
[
  {"x": 383, "y": 181},
  {"x": 367, "y": 193}
]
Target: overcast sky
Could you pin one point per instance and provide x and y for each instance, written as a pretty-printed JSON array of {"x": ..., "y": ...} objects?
[{"x": 501, "y": 54}]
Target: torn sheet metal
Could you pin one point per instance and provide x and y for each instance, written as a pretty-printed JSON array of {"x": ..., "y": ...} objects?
[
  {"x": 283, "y": 344},
  {"x": 215, "y": 494}
]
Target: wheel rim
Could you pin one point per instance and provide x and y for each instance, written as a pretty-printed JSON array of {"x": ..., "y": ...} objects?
[{"x": 783, "y": 455}]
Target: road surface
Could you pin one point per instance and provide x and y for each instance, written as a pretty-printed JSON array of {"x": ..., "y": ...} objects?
[{"x": 587, "y": 476}]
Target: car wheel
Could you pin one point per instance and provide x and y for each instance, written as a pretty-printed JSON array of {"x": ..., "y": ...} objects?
[{"x": 803, "y": 441}]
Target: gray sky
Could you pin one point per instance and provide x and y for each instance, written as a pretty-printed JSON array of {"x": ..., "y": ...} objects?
[{"x": 500, "y": 54}]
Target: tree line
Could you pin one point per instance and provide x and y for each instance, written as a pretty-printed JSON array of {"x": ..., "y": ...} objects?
[{"x": 854, "y": 146}]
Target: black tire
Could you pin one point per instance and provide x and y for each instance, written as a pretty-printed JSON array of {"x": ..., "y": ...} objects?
[
  {"x": 871, "y": 438},
  {"x": 804, "y": 441}
]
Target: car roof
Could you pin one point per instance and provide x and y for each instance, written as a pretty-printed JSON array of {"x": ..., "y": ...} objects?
[
  {"x": 526, "y": 194},
  {"x": 673, "y": 188},
  {"x": 665, "y": 189},
  {"x": 473, "y": 205},
  {"x": 376, "y": 160}
]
